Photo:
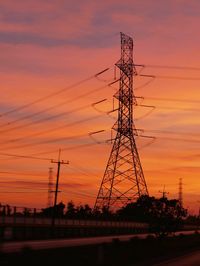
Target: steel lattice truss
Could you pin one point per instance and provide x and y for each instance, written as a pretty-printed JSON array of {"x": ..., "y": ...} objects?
[{"x": 123, "y": 181}]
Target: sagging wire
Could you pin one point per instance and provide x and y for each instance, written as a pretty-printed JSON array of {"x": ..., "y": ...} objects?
[
  {"x": 101, "y": 79},
  {"x": 52, "y": 94},
  {"x": 60, "y": 127},
  {"x": 169, "y": 67},
  {"x": 143, "y": 75},
  {"x": 24, "y": 156},
  {"x": 91, "y": 135},
  {"x": 170, "y": 77},
  {"x": 47, "y": 141},
  {"x": 166, "y": 77},
  {"x": 153, "y": 138},
  {"x": 96, "y": 103},
  {"x": 112, "y": 111},
  {"x": 54, "y": 116},
  {"x": 145, "y": 84},
  {"x": 148, "y": 113}
]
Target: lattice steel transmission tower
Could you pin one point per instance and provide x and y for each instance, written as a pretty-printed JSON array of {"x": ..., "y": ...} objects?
[
  {"x": 123, "y": 181},
  {"x": 180, "y": 192}
]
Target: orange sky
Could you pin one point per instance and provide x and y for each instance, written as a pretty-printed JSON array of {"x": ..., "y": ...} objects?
[{"x": 47, "y": 46}]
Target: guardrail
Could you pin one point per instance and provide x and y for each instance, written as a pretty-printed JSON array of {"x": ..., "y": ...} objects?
[
  {"x": 13, "y": 216},
  {"x": 63, "y": 222}
]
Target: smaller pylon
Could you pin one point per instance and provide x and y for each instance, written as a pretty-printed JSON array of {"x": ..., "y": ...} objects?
[
  {"x": 164, "y": 193},
  {"x": 180, "y": 194},
  {"x": 50, "y": 188}
]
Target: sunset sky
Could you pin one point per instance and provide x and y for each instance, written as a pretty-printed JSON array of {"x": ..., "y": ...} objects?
[{"x": 50, "y": 52}]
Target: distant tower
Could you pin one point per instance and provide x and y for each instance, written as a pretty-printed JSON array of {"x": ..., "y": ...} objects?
[
  {"x": 164, "y": 192},
  {"x": 50, "y": 188},
  {"x": 180, "y": 194},
  {"x": 123, "y": 181}
]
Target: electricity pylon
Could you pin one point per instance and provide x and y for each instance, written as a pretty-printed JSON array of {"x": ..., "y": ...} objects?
[
  {"x": 180, "y": 193},
  {"x": 123, "y": 181}
]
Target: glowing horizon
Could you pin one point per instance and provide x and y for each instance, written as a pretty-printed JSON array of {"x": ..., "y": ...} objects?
[{"x": 46, "y": 47}]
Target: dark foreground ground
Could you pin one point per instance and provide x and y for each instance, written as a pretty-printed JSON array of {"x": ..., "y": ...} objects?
[{"x": 140, "y": 252}]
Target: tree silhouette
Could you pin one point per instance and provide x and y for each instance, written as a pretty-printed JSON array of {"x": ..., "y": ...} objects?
[
  {"x": 71, "y": 210},
  {"x": 163, "y": 216},
  {"x": 58, "y": 212}
]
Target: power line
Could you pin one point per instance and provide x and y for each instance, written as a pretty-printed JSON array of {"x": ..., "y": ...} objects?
[
  {"x": 169, "y": 67},
  {"x": 168, "y": 77},
  {"x": 21, "y": 173},
  {"x": 178, "y": 139},
  {"x": 105, "y": 142},
  {"x": 20, "y": 192},
  {"x": 82, "y": 170},
  {"x": 54, "y": 116},
  {"x": 170, "y": 99},
  {"x": 54, "y": 129},
  {"x": 25, "y": 188},
  {"x": 53, "y": 94},
  {"x": 172, "y": 108},
  {"x": 63, "y": 149},
  {"x": 145, "y": 84},
  {"x": 35, "y": 114},
  {"x": 71, "y": 192},
  {"x": 57, "y": 139},
  {"x": 181, "y": 140},
  {"x": 24, "y": 156},
  {"x": 50, "y": 108},
  {"x": 47, "y": 141},
  {"x": 79, "y": 194},
  {"x": 177, "y": 108},
  {"x": 47, "y": 131},
  {"x": 21, "y": 179},
  {"x": 72, "y": 147},
  {"x": 172, "y": 132}
]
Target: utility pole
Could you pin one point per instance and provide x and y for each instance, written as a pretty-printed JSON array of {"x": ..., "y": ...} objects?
[
  {"x": 58, "y": 162},
  {"x": 123, "y": 181},
  {"x": 164, "y": 193},
  {"x": 50, "y": 188}
]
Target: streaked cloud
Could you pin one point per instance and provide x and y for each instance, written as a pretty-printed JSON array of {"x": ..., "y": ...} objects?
[{"x": 47, "y": 45}]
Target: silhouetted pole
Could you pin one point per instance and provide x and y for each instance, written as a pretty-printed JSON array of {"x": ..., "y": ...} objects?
[
  {"x": 180, "y": 192},
  {"x": 50, "y": 188},
  {"x": 164, "y": 193},
  {"x": 59, "y": 162}
]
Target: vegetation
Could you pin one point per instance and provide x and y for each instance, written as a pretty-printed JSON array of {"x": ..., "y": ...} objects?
[{"x": 163, "y": 215}]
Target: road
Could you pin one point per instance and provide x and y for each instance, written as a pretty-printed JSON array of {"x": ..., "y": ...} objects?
[
  {"x": 11, "y": 247},
  {"x": 191, "y": 259}
]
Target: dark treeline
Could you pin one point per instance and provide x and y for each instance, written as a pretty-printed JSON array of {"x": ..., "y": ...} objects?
[
  {"x": 162, "y": 215},
  {"x": 145, "y": 209}
]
